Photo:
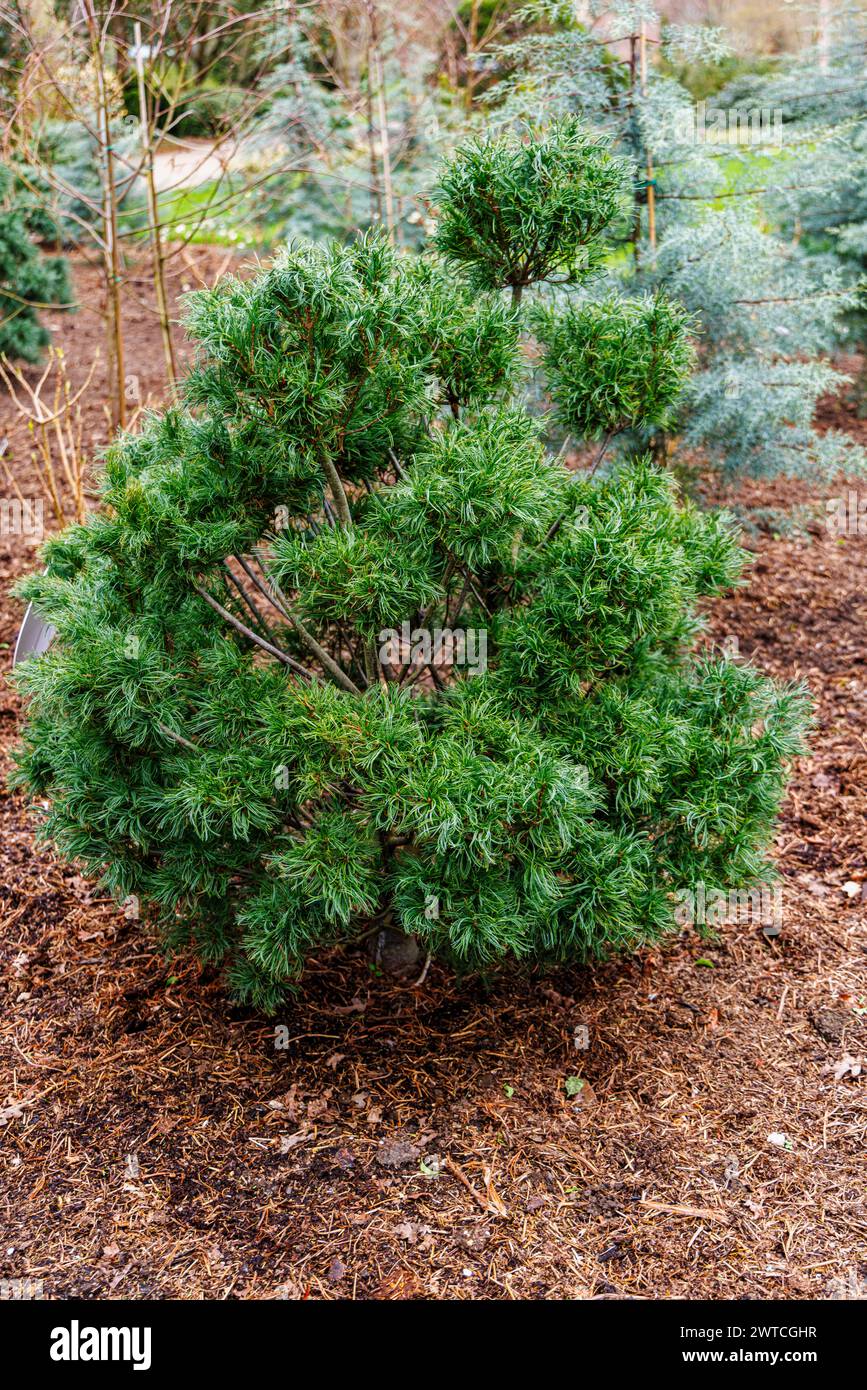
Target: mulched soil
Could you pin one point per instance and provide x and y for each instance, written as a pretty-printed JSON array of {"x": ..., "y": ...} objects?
[{"x": 391, "y": 1142}]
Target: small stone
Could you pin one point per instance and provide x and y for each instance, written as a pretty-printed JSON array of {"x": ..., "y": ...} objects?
[
  {"x": 397, "y": 1153},
  {"x": 396, "y": 953}
]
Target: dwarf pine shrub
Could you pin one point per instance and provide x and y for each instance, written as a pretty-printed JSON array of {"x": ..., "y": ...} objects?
[{"x": 345, "y": 644}]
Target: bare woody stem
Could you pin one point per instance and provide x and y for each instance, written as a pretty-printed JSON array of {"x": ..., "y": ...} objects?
[
  {"x": 601, "y": 454},
  {"x": 261, "y": 621},
  {"x": 178, "y": 738},
  {"x": 111, "y": 252},
  {"x": 159, "y": 269},
  {"x": 322, "y": 655}
]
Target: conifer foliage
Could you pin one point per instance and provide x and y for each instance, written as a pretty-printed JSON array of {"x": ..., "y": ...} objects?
[
  {"x": 346, "y": 644},
  {"x": 29, "y": 281},
  {"x": 514, "y": 214}
]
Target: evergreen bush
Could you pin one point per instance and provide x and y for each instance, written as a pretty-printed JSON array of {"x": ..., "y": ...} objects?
[
  {"x": 29, "y": 281},
  {"x": 345, "y": 644}
]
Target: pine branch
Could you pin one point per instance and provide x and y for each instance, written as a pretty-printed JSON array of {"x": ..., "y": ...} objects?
[
  {"x": 253, "y": 636},
  {"x": 178, "y": 738},
  {"x": 337, "y": 491},
  {"x": 281, "y": 602},
  {"x": 250, "y": 603}
]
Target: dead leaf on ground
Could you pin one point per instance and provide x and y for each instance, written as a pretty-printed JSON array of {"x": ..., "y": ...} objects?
[{"x": 847, "y": 1066}]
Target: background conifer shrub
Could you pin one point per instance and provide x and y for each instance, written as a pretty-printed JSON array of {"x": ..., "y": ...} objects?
[
  {"x": 29, "y": 282},
  {"x": 217, "y": 729}
]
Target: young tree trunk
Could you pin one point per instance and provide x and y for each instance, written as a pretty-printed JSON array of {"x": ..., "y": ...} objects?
[
  {"x": 111, "y": 258},
  {"x": 159, "y": 268}
]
